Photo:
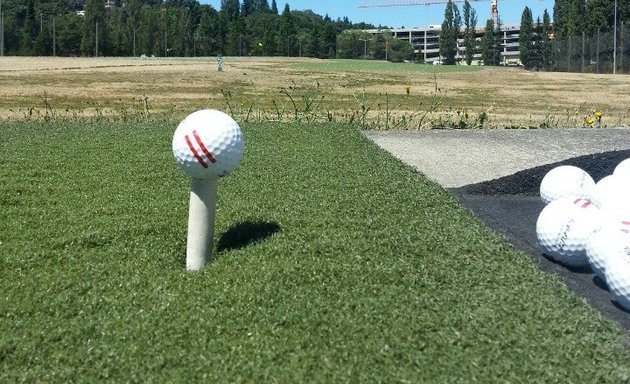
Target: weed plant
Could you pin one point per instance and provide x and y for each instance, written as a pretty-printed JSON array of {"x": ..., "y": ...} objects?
[{"x": 295, "y": 104}]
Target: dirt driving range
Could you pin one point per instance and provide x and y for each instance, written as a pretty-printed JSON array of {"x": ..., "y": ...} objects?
[{"x": 172, "y": 87}]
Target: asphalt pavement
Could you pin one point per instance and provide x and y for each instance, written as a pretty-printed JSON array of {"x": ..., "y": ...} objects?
[{"x": 496, "y": 174}]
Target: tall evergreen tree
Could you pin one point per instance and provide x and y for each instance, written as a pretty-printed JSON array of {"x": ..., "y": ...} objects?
[
  {"x": 526, "y": 38},
  {"x": 547, "y": 43},
  {"x": 274, "y": 7},
  {"x": 470, "y": 24},
  {"x": 449, "y": 34},
  {"x": 287, "y": 29},
  {"x": 488, "y": 44}
]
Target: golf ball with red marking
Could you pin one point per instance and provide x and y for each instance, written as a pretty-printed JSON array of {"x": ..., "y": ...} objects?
[
  {"x": 208, "y": 144},
  {"x": 565, "y": 181},
  {"x": 564, "y": 227}
]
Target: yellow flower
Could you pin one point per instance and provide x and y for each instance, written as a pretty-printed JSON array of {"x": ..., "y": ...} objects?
[{"x": 589, "y": 120}]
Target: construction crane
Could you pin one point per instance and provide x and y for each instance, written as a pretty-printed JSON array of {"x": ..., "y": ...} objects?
[{"x": 406, "y": 3}]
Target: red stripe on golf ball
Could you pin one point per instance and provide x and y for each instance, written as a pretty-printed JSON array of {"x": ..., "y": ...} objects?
[
  {"x": 203, "y": 148},
  {"x": 195, "y": 153},
  {"x": 585, "y": 203}
]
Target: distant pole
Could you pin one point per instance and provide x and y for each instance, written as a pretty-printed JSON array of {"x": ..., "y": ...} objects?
[
  {"x": 621, "y": 45},
  {"x": 583, "y": 50},
  {"x": 364, "y": 48},
  {"x": 1, "y": 30},
  {"x": 54, "y": 39},
  {"x": 1, "y": 33},
  {"x": 41, "y": 21},
  {"x": 165, "y": 44},
  {"x": 96, "y": 50},
  {"x": 133, "y": 26},
  {"x": 615, "y": 43},
  {"x": 597, "y": 50}
]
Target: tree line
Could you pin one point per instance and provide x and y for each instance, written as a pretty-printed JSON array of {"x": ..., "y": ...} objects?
[
  {"x": 573, "y": 17},
  {"x": 167, "y": 28},
  {"x": 258, "y": 27}
]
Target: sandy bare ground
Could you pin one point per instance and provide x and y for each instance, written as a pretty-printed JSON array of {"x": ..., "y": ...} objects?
[{"x": 279, "y": 88}]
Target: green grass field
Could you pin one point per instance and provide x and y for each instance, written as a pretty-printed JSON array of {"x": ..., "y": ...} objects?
[
  {"x": 342, "y": 65},
  {"x": 334, "y": 263}
]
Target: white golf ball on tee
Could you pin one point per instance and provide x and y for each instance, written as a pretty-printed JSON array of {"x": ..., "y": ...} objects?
[
  {"x": 208, "y": 144},
  {"x": 565, "y": 181}
]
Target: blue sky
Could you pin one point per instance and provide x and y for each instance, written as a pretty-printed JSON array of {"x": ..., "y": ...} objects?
[{"x": 416, "y": 16}]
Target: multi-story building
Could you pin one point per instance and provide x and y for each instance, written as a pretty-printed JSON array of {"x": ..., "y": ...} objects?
[{"x": 426, "y": 43}]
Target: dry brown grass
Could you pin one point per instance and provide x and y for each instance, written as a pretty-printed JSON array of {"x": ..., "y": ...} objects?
[{"x": 262, "y": 88}]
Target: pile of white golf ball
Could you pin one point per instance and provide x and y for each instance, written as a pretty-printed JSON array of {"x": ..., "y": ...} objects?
[{"x": 586, "y": 223}]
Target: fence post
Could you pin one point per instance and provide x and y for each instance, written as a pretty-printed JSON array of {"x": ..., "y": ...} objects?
[
  {"x": 583, "y": 50},
  {"x": 569, "y": 54},
  {"x": 621, "y": 45},
  {"x": 598, "y": 50}
]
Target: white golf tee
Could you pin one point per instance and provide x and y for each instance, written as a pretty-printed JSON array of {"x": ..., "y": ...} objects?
[{"x": 203, "y": 202}]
